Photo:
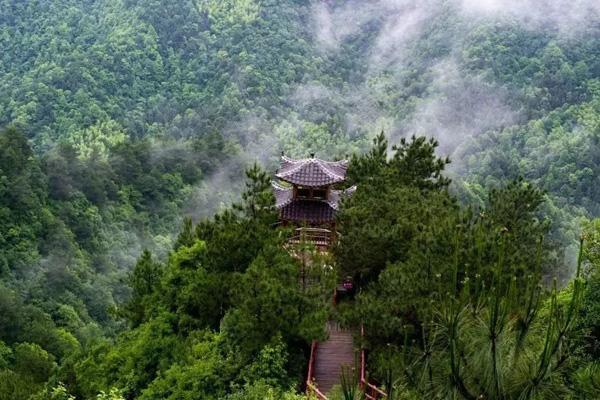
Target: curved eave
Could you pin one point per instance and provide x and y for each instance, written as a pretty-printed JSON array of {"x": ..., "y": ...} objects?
[
  {"x": 312, "y": 172},
  {"x": 309, "y": 183},
  {"x": 308, "y": 211}
]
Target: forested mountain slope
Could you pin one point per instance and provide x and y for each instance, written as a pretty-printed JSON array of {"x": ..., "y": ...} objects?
[
  {"x": 305, "y": 76},
  {"x": 120, "y": 117}
]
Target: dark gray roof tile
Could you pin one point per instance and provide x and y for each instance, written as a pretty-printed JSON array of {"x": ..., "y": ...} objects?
[
  {"x": 308, "y": 211},
  {"x": 312, "y": 172}
]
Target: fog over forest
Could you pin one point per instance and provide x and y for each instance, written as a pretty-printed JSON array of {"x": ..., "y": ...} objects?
[{"x": 138, "y": 139}]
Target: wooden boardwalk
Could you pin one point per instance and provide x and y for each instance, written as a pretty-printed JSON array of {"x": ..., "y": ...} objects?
[{"x": 331, "y": 354}]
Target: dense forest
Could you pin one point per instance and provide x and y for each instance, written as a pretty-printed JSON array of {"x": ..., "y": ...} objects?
[{"x": 138, "y": 253}]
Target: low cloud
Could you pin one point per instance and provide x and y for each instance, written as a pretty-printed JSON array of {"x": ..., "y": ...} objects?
[
  {"x": 567, "y": 15},
  {"x": 455, "y": 104},
  {"x": 459, "y": 107}
]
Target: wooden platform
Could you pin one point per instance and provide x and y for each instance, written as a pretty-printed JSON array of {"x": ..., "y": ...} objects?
[{"x": 331, "y": 354}]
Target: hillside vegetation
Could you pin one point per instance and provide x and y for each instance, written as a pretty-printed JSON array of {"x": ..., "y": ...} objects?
[{"x": 134, "y": 262}]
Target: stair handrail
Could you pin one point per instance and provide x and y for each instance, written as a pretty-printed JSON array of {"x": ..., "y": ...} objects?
[
  {"x": 371, "y": 391},
  {"x": 311, "y": 388}
]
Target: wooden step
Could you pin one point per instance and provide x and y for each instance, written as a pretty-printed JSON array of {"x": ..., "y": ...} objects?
[{"x": 332, "y": 354}]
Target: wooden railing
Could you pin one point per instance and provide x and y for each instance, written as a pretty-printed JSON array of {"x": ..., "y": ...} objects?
[
  {"x": 371, "y": 391},
  {"x": 318, "y": 236},
  {"x": 311, "y": 388}
]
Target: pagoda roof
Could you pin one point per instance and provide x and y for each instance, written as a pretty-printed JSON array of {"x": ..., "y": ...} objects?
[
  {"x": 336, "y": 195},
  {"x": 308, "y": 211},
  {"x": 283, "y": 195},
  {"x": 312, "y": 172}
]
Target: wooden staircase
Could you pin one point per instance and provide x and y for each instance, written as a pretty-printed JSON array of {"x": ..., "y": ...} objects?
[
  {"x": 328, "y": 357},
  {"x": 338, "y": 350}
]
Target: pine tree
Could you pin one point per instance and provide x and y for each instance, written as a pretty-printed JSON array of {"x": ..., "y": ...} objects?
[
  {"x": 187, "y": 236},
  {"x": 145, "y": 282}
]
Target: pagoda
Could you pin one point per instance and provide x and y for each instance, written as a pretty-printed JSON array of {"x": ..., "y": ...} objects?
[{"x": 307, "y": 198}]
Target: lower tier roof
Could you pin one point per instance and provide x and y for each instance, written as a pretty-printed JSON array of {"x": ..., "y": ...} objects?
[{"x": 310, "y": 211}]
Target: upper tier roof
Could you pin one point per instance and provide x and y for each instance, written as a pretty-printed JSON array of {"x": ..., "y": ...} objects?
[{"x": 312, "y": 172}]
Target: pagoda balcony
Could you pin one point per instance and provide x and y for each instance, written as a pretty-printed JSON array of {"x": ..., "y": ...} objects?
[{"x": 319, "y": 237}]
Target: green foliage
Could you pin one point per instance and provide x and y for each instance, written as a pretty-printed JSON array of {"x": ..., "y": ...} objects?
[
  {"x": 590, "y": 313},
  {"x": 201, "y": 374},
  {"x": 262, "y": 391},
  {"x": 187, "y": 236},
  {"x": 144, "y": 282},
  {"x": 269, "y": 301},
  {"x": 426, "y": 267},
  {"x": 207, "y": 326},
  {"x": 132, "y": 363},
  {"x": 587, "y": 381},
  {"x": 68, "y": 222},
  {"x": 31, "y": 368},
  {"x": 350, "y": 385},
  {"x": 456, "y": 307},
  {"x": 5, "y": 355},
  {"x": 270, "y": 366},
  {"x": 59, "y": 392},
  {"x": 412, "y": 163},
  {"x": 466, "y": 335},
  {"x": 395, "y": 199},
  {"x": 558, "y": 152},
  {"x": 113, "y": 394},
  {"x": 22, "y": 199},
  {"x": 591, "y": 250},
  {"x": 121, "y": 109}
]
